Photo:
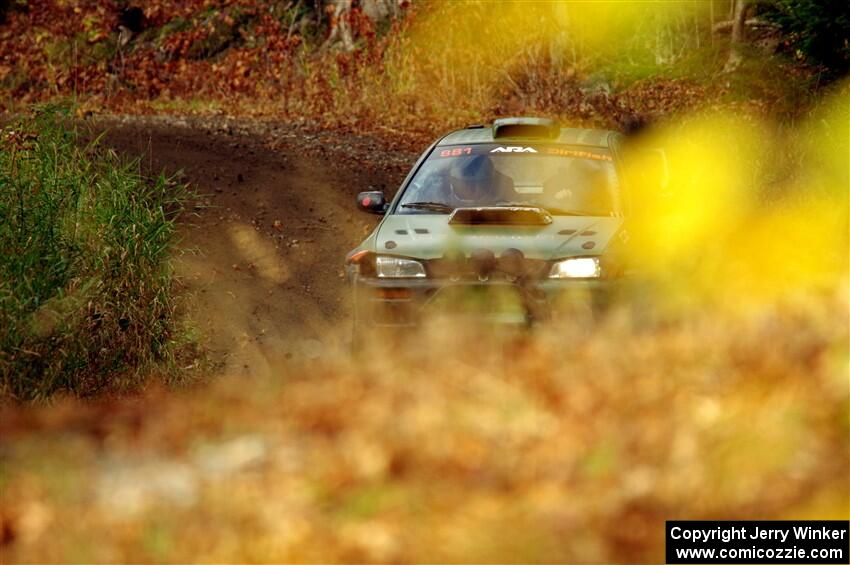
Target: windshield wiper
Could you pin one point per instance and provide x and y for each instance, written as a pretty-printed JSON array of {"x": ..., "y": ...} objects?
[
  {"x": 432, "y": 206},
  {"x": 551, "y": 210}
]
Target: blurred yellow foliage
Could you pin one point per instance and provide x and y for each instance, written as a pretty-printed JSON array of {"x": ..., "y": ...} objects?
[
  {"x": 466, "y": 446},
  {"x": 750, "y": 215}
]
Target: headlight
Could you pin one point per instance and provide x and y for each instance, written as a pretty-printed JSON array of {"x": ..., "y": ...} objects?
[
  {"x": 577, "y": 268},
  {"x": 396, "y": 267}
]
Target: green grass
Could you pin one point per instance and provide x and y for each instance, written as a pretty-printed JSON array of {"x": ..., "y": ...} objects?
[{"x": 86, "y": 302}]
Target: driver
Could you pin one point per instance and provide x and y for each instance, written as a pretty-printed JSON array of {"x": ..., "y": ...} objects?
[{"x": 475, "y": 182}]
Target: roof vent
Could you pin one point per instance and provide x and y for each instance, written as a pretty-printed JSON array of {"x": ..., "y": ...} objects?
[{"x": 525, "y": 128}]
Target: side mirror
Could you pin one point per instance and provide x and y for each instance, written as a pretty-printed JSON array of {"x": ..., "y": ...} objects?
[{"x": 372, "y": 202}]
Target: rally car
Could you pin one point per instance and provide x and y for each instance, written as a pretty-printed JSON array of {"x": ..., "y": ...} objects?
[{"x": 516, "y": 221}]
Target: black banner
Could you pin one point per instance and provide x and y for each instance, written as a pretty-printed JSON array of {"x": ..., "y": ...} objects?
[{"x": 751, "y": 541}]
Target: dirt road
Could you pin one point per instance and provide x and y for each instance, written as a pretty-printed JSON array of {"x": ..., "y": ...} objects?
[{"x": 263, "y": 250}]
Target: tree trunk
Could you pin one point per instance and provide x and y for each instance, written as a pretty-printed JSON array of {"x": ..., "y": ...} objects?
[
  {"x": 340, "y": 27},
  {"x": 738, "y": 28},
  {"x": 340, "y": 11}
]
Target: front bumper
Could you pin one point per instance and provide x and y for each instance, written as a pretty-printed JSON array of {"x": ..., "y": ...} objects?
[{"x": 405, "y": 302}]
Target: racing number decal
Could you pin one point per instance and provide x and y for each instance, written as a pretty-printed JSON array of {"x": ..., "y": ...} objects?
[{"x": 456, "y": 152}]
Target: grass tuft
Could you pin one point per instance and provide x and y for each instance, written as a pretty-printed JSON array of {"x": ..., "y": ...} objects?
[{"x": 85, "y": 281}]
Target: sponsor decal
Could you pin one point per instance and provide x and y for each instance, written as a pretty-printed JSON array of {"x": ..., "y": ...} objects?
[
  {"x": 578, "y": 153},
  {"x": 558, "y": 151},
  {"x": 513, "y": 150}
]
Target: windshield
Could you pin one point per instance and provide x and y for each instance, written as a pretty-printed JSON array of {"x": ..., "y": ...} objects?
[{"x": 562, "y": 179}]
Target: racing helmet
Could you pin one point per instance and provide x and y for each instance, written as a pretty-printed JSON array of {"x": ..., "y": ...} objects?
[{"x": 471, "y": 178}]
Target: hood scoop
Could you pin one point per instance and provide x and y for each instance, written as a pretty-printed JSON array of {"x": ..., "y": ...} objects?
[{"x": 500, "y": 216}]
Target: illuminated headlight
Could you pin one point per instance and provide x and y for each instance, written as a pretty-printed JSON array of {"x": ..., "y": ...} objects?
[
  {"x": 577, "y": 268},
  {"x": 396, "y": 267}
]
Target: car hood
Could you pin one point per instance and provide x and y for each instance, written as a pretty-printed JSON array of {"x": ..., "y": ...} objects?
[{"x": 429, "y": 236}]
